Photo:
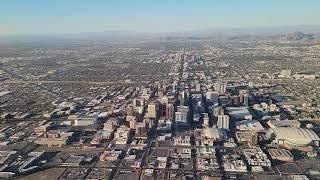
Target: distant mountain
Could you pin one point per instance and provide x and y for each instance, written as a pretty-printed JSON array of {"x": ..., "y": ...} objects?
[
  {"x": 250, "y": 31},
  {"x": 290, "y": 33},
  {"x": 71, "y": 38},
  {"x": 176, "y": 38},
  {"x": 297, "y": 36}
]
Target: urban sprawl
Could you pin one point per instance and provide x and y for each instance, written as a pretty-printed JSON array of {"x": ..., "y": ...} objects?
[{"x": 244, "y": 107}]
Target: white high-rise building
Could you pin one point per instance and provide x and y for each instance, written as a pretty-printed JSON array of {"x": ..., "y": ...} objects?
[
  {"x": 223, "y": 88},
  {"x": 182, "y": 114},
  {"x": 223, "y": 122},
  {"x": 198, "y": 87},
  {"x": 217, "y": 86},
  {"x": 205, "y": 119},
  {"x": 220, "y": 87},
  {"x": 181, "y": 117},
  {"x": 251, "y": 84}
]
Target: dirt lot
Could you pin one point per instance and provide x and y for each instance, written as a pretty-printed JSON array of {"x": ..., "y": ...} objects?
[{"x": 49, "y": 174}]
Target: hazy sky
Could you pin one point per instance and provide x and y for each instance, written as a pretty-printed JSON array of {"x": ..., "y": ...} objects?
[{"x": 67, "y": 16}]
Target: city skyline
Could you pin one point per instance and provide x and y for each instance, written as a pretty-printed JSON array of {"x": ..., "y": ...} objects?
[{"x": 160, "y": 90}]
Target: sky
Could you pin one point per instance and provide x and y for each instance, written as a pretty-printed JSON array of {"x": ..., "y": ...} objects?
[{"x": 74, "y": 16}]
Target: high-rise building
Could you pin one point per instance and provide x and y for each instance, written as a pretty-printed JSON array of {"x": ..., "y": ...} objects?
[
  {"x": 212, "y": 97},
  {"x": 162, "y": 110},
  {"x": 181, "y": 117},
  {"x": 182, "y": 114},
  {"x": 198, "y": 87},
  {"x": 153, "y": 109},
  {"x": 235, "y": 100},
  {"x": 220, "y": 87},
  {"x": 205, "y": 119},
  {"x": 223, "y": 122},
  {"x": 246, "y": 100},
  {"x": 218, "y": 110},
  {"x": 169, "y": 111},
  {"x": 164, "y": 100},
  {"x": 144, "y": 92},
  {"x": 251, "y": 84},
  {"x": 217, "y": 86},
  {"x": 241, "y": 98},
  {"x": 109, "y": 125},
  {"x": 183, "y": 98},
  {"x": 130, "y": 110},
  {"x": 223, "y": 88},
  {"x": 174, "y": 86},
  {"x": 138, "y": 102},
  {"x": 133, "y": 124},
  {"x": 141, "y": 129}
]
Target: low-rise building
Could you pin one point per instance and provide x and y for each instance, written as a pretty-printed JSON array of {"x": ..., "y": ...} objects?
[
  {"x": 256, "y": 157},
  {"x": 247, "y": 137},
  {"x": 280, "y": 154},
  {"x": 207, "y": 136},
  {"x": 55, "y": 138},
  {"x": 110, "y": 155},
  {"x": 122, "y": 135},
  {"x": 249, "y": 125},
  {"x": 182, "y": 141},
  {"x": 239, "y": 113},
  {"x": 73, "y": 161}
]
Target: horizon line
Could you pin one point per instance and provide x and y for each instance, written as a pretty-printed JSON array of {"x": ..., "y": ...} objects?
[{"x": 217, "y": 29}]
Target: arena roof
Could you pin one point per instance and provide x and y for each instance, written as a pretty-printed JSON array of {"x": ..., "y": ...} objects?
[{"x": 296, "y": 135}]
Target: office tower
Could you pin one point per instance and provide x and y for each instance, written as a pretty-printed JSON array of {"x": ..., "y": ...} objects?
[
  {"x": 220, "y": 87},
  {"x": 162, "y": 110},
  {"x": 212, "y": 97},
  {"x": 153, "y": 109},
  {"x": 164, "y": 100},
  {"x": 251, "y": 84},
  {"x": 183, "y": 98},
  {"x": 141, "y": 129},
  {"x": 198, "y": 87},
  {"x": 218, "y": 110},
  {"x": 144, "y": 92},
  {"x": 241, "y": 98},
  {"x": 217, "y": 86},
  {"x": 246, "y": 100},
  {"x": 109, "y": 125},
  {"x": 130, "y": 110},
  {"x": 223, "y": 122},
  {"x": 205, "y": 119},
  {"x": 235, "y": 100},
  {"x": 133, "y": 123},
  {"x": 223, "y": 88},
  {"x": 169, "y": 111},
  {"x": 181, "y": 117},
  {"x": 182, "y": 114},
  {"x": 138, "y": 102}
]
